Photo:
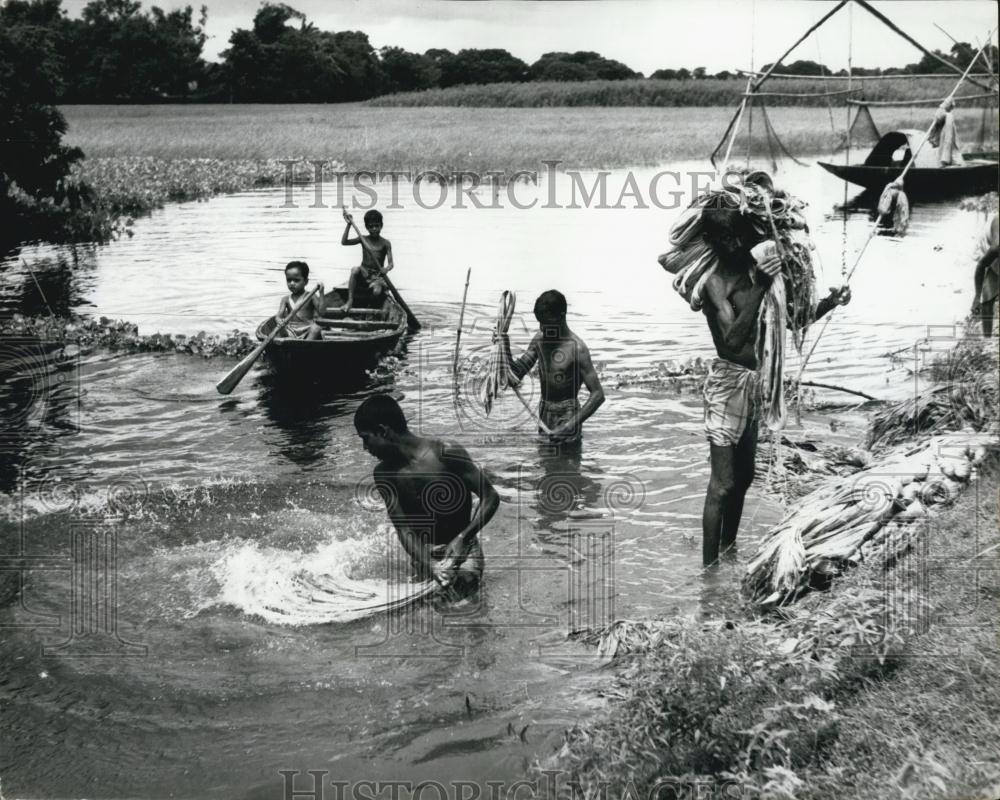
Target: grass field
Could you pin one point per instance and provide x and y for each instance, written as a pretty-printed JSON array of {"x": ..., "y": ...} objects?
[
  {"x": 448, "y": 139},
  {"x": 668, "y": 93}
]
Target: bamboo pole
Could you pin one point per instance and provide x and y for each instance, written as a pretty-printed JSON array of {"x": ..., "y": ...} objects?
[
  {"x": 906, "y": 76},
  {"x": 871, "y": 234},
  {"x": 896, "y": 29},
  {"x": 755, "y": 86},
  {"x": 927, "y": 101}
]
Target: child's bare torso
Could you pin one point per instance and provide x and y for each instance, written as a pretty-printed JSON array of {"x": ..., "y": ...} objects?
[
  {"x": 373, "y": 255},
  {"x": 305, "y": 314}
]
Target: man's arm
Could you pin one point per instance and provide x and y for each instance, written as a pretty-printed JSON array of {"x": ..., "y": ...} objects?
[
  {"x": 735, "y": 329},
  {"x": 417, "y": 546},
  {"x": 837, "y": 297},
  {"x": 459, "y": 464},
  {"x": 525, "y": 362},
  {"x": 988, "y": 258}
]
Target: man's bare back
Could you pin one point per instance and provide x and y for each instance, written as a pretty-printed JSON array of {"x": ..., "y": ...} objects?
[{"x": 427, "y": 488}]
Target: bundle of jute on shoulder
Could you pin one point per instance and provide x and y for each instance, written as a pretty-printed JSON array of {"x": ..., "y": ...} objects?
[{"x": 745, "y": 207}]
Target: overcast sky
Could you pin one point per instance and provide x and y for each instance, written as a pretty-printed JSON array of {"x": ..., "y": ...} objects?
[{"x": 644, "y": 34}]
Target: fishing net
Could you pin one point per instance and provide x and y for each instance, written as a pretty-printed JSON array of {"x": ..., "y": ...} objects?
[
  {"x": 761, "y": 140},
  {"x": 862, "y": 132},
  {"x": 763, "y": 213}
]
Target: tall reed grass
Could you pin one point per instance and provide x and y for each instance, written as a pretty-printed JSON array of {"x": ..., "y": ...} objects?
[
  {"x": 667, "y": 93},
  {"x": 447, "y": 139}
]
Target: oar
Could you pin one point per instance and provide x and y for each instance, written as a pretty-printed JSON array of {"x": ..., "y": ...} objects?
[
  {"x": 227, "y": 384},
  {"x": 411, "y": 318}
]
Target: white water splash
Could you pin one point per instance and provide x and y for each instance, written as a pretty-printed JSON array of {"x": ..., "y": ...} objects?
[{"x": 342, "y": 580}]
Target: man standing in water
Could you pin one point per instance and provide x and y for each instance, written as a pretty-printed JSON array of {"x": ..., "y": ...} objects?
[
  {"x": 987, "y": 274},
  {"x": 564, "y": 366},
  {"x": 733, "y": 297},
  {"x": 427, "y": 487}
]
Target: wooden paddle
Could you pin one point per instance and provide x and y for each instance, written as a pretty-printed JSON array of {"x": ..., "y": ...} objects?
[
  {"x": 411, "y": 319},
  {"x": 227, "y": 384}
]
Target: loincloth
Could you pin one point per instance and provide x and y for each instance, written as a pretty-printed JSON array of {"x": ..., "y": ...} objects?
[
  {"x": 298, "y": 329},
  {"x": 554, "y": 414},
  {"x": 373, "y": 281},
  {"x": 731, "y": 397}
]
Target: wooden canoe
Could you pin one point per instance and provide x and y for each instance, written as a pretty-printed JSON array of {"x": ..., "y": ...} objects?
[
  {"x": 351, "y": 341},
  {"x": 925, "y": 178}
]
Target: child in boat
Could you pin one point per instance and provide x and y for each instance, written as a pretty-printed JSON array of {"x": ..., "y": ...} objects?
[
  {"x": 303, "y": 325},
  {"x": 427, "y": 487},
  {"x": 376, "y": 258},
  {"x": 564, "y": 366}
]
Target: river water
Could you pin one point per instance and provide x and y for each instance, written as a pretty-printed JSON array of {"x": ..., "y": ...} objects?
[{"x": 165, "y": 521}]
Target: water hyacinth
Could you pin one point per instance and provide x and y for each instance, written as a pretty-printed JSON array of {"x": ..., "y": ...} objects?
[
  {"x": 119, "y": 336},
  {"x": 138, "y": 184}
]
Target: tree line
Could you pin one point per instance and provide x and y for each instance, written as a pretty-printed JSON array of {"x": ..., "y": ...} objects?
[{"x": 116, "y": 52}]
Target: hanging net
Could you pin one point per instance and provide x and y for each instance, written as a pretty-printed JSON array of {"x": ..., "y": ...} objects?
[
  {"x": 761, "y": 141},
  {"x": 862, "y": 132}
]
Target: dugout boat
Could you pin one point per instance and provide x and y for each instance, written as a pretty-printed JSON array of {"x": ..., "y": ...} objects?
[
  {"x": 351, "y": 342},
  {"x": 926, "y": 178}
]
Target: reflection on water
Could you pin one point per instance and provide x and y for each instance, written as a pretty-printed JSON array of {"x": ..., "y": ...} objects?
[{"x": 221, "y": 490}]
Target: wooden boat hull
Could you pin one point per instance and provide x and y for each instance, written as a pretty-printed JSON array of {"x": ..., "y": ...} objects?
[
  {"x": 351, "y": 343},
  {"x": 970, "y": 178}
]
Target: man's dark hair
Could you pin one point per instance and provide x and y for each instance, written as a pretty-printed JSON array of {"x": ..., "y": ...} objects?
[
  {"x": 373, "y": 216},
  {"x": 380, "y": 409},
  {"x": 550, "y": 304},
  {"x": 728, "y": 230},
  {"x": 301, "y": 266}
]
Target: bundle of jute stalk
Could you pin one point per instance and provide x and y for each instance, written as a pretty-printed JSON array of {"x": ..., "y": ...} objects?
[{"x": 827, "y": 529}]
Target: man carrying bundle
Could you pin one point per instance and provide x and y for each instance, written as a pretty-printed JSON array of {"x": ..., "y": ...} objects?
[{"x": 736, "y": 394}]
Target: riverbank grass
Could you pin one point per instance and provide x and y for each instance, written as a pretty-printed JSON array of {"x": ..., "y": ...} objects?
[
  {"x": 362, "y": 137},
  {"x": 895, "y": 694}
]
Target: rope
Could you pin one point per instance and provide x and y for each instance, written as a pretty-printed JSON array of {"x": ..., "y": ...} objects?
[{"x": 498, "y": 375}]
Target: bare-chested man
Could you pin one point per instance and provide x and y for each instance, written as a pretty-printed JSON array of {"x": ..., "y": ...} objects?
[
  {"x": 427, "y": 486},
  {"x": 733, "y": 296},
  {"x": 564, "y": 366}
]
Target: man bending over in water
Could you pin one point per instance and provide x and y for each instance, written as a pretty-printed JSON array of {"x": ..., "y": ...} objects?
[
  {"x": 427, "y": 487},
  {"x": 733, "y": 296},
  {"x": 564, "y": 366}
]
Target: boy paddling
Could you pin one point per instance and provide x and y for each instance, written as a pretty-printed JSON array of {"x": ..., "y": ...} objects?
[
  {"x": 376, "y": 257},
  {"x": 427, "y": 487},
  {"x": 303, "y": 325},
  {"x": 564, "y": 366},
  {"x": 733, "y": 296}
]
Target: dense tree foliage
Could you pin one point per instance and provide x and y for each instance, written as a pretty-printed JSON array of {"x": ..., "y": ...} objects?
[
  {"x": 116, "y": 52},
  {"x": 579, "y": 66},
  {"x": 37, "y": 195},
  {"x": 491, "y": 65}
]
